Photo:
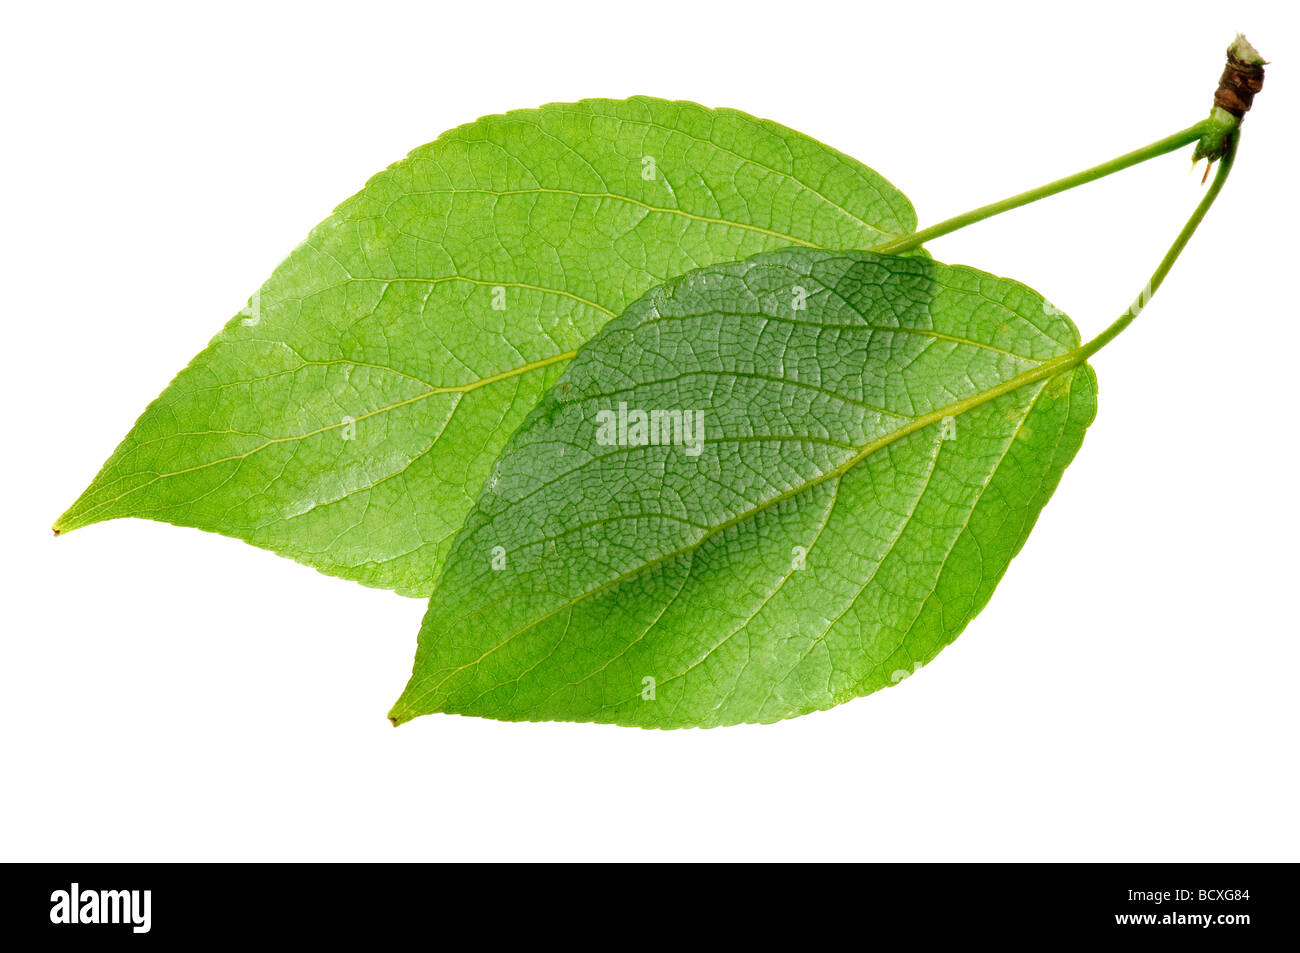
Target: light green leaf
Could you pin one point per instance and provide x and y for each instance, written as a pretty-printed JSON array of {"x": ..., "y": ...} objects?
[
  {"x": 878, "y": 437},
  {"x": 349, "y": 416}
]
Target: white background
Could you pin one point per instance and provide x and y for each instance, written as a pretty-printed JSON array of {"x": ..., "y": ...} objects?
[{"x": 1130, "y": 692}]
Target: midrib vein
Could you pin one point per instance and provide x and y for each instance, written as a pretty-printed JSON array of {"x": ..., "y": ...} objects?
[
  {"x": 1046, "y": 369},
  {"x": 431, "y": 392},
  {"x": 80, "y": 519},
  {"x": 657, "y": 209}
]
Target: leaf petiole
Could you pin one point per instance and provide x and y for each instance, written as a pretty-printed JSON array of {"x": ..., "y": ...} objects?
[
  {"x": 1158, "y": 148},
  {"x": 1166, "y": 263}
]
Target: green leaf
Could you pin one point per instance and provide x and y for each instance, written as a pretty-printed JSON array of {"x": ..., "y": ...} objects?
[
  {"x": 878, "y": 437},
  {"x": 349, "y": 416}
]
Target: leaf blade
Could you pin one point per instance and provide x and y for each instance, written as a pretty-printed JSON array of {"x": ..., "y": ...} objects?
[
  {"x": 583, "y": 612},
  {"x": 381, "y": 328}
]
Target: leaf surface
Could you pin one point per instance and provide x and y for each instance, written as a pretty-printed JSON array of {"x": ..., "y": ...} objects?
[
  {"x": 349, "y": 416},
  {"x": 878, "y": 435}
]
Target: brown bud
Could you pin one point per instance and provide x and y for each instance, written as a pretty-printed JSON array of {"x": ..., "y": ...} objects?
[{"x": 1242, "y": 78}]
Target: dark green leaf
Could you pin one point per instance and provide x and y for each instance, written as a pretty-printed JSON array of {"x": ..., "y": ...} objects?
[{"x": 878, "y": 437}]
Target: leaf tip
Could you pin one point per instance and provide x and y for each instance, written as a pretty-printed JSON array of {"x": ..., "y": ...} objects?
[
  {"x": 399, "y": 715},
  {"x": 64, "y": 525}
]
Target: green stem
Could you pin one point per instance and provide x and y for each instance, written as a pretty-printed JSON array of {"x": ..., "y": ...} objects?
[
  {"x": 1158, "y": 148},
  {"x": 1171, "y": 256},
  {"x": 1062, "y": 363}
]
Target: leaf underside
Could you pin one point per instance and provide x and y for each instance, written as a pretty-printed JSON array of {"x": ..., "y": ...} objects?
[
  {"x": 350, "y": 415},
  {"x": 872, "y": 458}
]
